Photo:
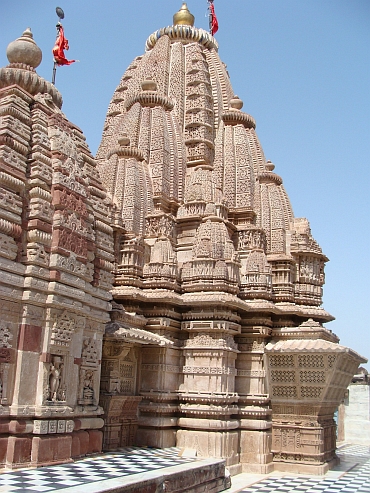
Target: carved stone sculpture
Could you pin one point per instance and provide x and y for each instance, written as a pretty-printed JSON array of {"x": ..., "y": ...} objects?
[{"x": 56, "y": 381}]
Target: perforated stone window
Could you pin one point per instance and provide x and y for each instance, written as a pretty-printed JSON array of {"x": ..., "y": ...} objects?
[
  {"x": 312, "y": 376},
  {"x": 311, "y": 360},
  {"x": 311, "y": 392},
  {"x": 284, "y": 391},
  {"x": 127, "y": 371},
  {"x": 281, "y": 360},
  {"x": 283, "y": 376}
]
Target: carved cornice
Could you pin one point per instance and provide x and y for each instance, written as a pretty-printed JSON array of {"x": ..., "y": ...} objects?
[
  {"x": 10, "y": 110},
  {"x": 150, "y": 99},
  {"x": 134, "y": 335},
  {"x": 127, "y": 152},
  {"x": 269, "y": 177},
  {"x": 9, "y": 141},
  {"x": 311, "y": 346},
  {"x": 10, "y": 228},
  {"x": 38, "y": 192},
  {"x": 22, "y": 76},
  {"x": 185, "y": 34},
  {"x": 235, "y": 117},
  {"x": 214, "y": 398},
  {"x": 11, "y": 182},
  {"x": 97, "y": 192}
]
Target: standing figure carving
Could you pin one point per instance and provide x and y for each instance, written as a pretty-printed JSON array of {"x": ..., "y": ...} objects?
[{"x": 56, "y": 390}]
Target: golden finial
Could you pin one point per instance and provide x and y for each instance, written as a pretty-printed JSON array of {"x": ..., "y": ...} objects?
[{"x": 183, "y": 17}]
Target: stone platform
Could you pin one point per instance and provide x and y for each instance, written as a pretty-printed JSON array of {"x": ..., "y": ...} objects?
[
  {"x": 128, "y": 470},
  {"x": 153, "y": 471}
]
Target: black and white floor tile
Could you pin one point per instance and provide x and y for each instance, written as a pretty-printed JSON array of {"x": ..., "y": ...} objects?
[
  {"x": 131, "y": 461},
  {"x": 126, "y": 462},
  {"x": 356, "y": 480}
]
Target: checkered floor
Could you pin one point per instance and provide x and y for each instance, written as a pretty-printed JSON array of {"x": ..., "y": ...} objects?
[
  {"x": 132, "y": 461},
  {"x": 356, "y": 480},
  {"x": 125, "y": 462}
]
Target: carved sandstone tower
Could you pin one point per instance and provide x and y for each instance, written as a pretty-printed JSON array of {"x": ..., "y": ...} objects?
[
  {"x": 209, "y": 256},
  {"x": 56, "y": 255},
  {"x": 215, "y": 338}
]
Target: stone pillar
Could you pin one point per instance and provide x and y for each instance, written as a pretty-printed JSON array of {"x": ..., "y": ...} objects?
[
  {"x": 254, "y": 409},
  {"x": 159, "y": 385},
  {"x": 207, "y": 395}
]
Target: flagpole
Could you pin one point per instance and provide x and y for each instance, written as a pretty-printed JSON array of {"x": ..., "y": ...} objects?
[
  {"x": 213, "y": 22},
  {"x": 210, "y": 15},
  {"x": 54, "y": 73},
  {"x": 60, "y": 15}
]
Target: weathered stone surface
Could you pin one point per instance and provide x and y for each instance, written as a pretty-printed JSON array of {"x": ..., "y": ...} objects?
[
  {"x": 354, "y": 412},
  {"x": 215, "y": 338},
  {"x": 210, "y": 256},
  {"x": 55, "y": 268},
  {"x": 51, "y": 450}
]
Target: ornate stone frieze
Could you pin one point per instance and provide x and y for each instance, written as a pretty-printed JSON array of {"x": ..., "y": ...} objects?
[{"x": 208, "y": 341}]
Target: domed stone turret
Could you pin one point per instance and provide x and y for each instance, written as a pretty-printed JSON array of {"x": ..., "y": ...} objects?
[
  {"x": 25, "y": 56},
  {"x": 24, "y": 50}
]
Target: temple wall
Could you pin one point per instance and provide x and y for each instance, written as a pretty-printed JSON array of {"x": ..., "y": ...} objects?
[
  {"x": 357, "y": 415},
  {"x": 56, "y": 249}
]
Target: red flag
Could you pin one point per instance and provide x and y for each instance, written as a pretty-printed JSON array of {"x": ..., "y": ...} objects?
[
  {"x": 214, "y": 21},
  {"x": 61, "y": 44}
]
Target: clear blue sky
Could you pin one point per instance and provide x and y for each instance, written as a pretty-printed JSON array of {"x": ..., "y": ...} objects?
[{"x": 302, "y": 69}]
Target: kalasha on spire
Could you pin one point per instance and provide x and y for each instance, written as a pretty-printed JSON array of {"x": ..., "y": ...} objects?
[
  {"x": 61, "y": 44},
  {"x": 213, "y": 22}
]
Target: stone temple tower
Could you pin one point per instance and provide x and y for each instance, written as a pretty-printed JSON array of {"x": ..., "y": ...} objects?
[
  {"x": 214, "y": 338},
  {"x": 209, "y": 256},
  {"x": 56, "y": 258}
]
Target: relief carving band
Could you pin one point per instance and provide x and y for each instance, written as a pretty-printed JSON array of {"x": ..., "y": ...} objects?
[
  {"x": 90, "y": 353},
  {"x": 4, "y": 377},
  {"x": 5, "y": 337}
]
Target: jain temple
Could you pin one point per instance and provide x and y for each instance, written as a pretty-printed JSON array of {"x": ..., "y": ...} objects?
[{"x": 161, "y": 293}]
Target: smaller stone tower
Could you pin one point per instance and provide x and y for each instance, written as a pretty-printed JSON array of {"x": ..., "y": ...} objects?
[{"x": 55, "y": 272}]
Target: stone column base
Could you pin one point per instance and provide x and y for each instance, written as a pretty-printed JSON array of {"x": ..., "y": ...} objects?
[
  {"x": 48, "y": 450},
  {"x": 160, "y": 438},
  {"x": 18, "y": 452},
  {"x": 255, "y": 451},
  {"x": 218, "y": 444},
  {"x": 298, "y": 468}
]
